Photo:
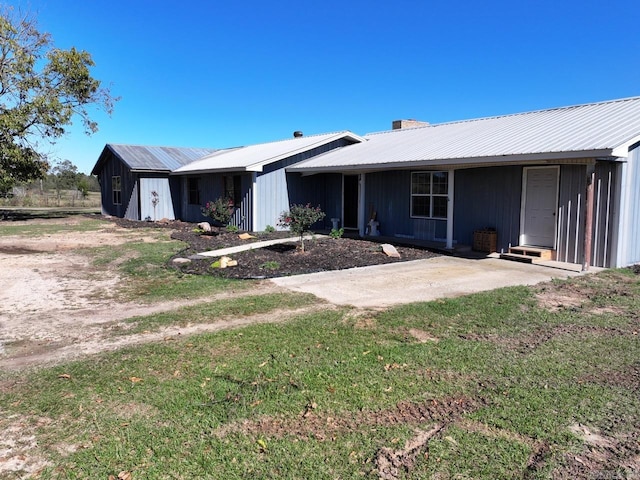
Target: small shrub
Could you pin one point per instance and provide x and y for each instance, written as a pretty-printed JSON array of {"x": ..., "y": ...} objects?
[
  {"x": 270, "y": 265},
  {"x": 219, "y": 210},
  {"x": 232, "y": 229},
  {"x": 336, "y": 233},
  {"x": 299, "y": 219},
  {"x": 269, "y": 229}
]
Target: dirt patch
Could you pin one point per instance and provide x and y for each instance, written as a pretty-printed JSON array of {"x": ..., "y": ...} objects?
[
  {"x": 527, "y": 343},
  {"x": 312, "y": 425},
  {"x": 602, "y": 456}
]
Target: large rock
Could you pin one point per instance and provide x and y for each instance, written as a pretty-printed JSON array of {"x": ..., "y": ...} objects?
[
  {"x": 390, "y": 250},
  {"x": 181, "y": 261},
  {"x": 204, "y": 226}
]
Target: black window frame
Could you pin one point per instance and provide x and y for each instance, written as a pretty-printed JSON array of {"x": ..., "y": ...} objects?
[{"x": 193, "y": 191}]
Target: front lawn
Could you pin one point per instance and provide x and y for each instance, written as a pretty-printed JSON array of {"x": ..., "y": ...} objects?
[{"x": 525, "y": 382}]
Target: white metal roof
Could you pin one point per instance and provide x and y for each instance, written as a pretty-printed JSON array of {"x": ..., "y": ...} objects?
[
  {"x": 255, "y": 157},
  {"x": 604, "y": 129}
]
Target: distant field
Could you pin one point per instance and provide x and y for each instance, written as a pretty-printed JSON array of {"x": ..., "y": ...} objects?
[{"x": 51, "y": 199}]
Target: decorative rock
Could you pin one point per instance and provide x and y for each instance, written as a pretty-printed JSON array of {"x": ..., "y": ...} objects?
[
  {"x": 227, "y": 262},
  {"x": 245, "y": 236},
  {"x": 204, "y": 226},
  {"x": 180, "y": 261},
  {"x": 390, "y": 250}
]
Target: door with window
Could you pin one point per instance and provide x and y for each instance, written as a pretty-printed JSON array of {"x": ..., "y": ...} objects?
[{"x": 539, "y": 205}]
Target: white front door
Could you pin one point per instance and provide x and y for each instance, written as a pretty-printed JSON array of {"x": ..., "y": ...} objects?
[{"x": 539, "y": 206}]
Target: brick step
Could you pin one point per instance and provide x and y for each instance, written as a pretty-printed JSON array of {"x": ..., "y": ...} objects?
[{"x": 533, "y": 252}]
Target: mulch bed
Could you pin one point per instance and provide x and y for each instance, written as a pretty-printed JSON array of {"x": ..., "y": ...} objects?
[{"x": 321, "y": 254}]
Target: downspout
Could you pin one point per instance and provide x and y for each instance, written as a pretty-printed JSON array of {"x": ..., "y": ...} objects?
[
  {"x": 450, "y": 207},
  {"x": 588, "y": 221}
]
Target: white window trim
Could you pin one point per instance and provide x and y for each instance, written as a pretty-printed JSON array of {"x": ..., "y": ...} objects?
[{"x": 445, "y": 195}]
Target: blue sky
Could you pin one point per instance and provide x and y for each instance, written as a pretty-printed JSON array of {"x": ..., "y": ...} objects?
[{"x": 227, "y": 73}]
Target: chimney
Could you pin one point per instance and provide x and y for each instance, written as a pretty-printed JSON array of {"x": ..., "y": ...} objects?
[
  {"x": 297, "y": 134},
  {"x": 410, "y": 123}
]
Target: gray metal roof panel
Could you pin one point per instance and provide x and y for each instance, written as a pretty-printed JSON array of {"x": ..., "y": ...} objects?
[
  {"x": 253, "y": 157},
  {"x": 581, "y": 128},
  {"x": 140, "y": 157}
]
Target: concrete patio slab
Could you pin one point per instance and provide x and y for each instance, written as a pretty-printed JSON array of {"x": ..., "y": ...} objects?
[{"x": 419, "y": 280}]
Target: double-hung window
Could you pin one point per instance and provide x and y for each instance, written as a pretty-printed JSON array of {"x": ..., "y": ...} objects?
[
  {"x": 116, "y": 190},
  {"x": 429, "y": 194}
]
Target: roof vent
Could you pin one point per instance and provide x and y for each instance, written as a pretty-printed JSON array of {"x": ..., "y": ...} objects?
[{"x": 297, "y": 134}]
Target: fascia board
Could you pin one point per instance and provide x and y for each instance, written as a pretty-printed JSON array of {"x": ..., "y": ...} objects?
[
  {"x": 258, "y": 166},
  {"x": 623, "y": 150},
  {"x": 457, "y": 162}
]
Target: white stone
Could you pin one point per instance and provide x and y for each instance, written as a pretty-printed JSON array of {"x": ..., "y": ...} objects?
[
  {"x": 390, "y": 250},
  {"x": 180, "y": 261},
  {"x": 204, "y": 226}
]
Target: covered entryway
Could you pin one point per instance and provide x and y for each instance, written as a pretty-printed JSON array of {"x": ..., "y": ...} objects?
[
  {"x": 350, "y": 195},
  {"x": 539, "y": 206}
]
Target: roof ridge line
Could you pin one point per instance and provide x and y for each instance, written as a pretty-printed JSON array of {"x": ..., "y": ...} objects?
[{"x": 493, "y": 117}]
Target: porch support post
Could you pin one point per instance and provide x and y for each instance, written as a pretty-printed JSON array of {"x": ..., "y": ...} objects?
[
  {"x": 254, "y": 202},
  {"x": 361, "y": 205},
  {"x": 588, "y": 221},
  {"x": 450, "y": 210}
]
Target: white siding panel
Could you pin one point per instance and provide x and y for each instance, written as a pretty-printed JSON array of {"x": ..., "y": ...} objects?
[
  {"x": 272, "y": 199},
  {"x": 164, "y": 206},
  {"x": 629, "y": 226}
]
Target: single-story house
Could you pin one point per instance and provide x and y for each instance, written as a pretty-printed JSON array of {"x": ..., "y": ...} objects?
[{"x": 565, "y": 180}]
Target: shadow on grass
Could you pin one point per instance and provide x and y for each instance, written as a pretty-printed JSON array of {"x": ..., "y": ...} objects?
[{"x": 26, "y": 214}]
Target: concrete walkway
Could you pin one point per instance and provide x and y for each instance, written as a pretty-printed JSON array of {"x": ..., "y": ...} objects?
[
  {"x": 253, "y": 245},
  {"x": 419, "y": 280}
]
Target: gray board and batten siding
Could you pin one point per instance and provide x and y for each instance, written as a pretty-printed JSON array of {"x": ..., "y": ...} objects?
[
  {"x": 132, "y": 163},
  {"x": 276, "y": 191},
  {"x": 490, "y": 197},
  {"x": 628, "y": 240}
]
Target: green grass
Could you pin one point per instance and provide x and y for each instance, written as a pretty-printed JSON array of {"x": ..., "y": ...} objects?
[{"x": 232, "y": 404}]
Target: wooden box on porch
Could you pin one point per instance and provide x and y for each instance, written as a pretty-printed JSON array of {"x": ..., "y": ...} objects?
[{"x": 485, "y": 240}]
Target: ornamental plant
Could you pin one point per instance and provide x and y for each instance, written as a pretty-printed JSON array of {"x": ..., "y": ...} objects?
[
  {"x": 219, "y": 210},
  {"x": 299, "y": 219}
]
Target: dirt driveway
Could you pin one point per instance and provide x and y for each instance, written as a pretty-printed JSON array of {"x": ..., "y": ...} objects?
[{"x": 55, "y": 305}]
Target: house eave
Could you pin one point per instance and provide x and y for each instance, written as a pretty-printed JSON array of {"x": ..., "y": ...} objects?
[{"x": 578, "y": 157}]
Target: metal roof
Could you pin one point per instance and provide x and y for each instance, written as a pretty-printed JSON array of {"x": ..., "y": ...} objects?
[
  {"x": 158, "y": 159},
  {"x": 604, "y": 129},
  {"x": 254, "y": 157}
]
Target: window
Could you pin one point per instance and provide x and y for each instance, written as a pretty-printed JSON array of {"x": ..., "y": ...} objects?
[
  {"x": 429, "y": 194},
  {"x": 233, "y": 189},
  {"x": 116, "y": 189},
  {"x": 193, "y": 187}
]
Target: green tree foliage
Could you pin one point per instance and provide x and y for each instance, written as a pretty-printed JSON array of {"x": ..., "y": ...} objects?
[
  {"x": 299, "y": 219},
  {"x": 65, "y": 176},
  {"x": 42, "y": 90}
]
